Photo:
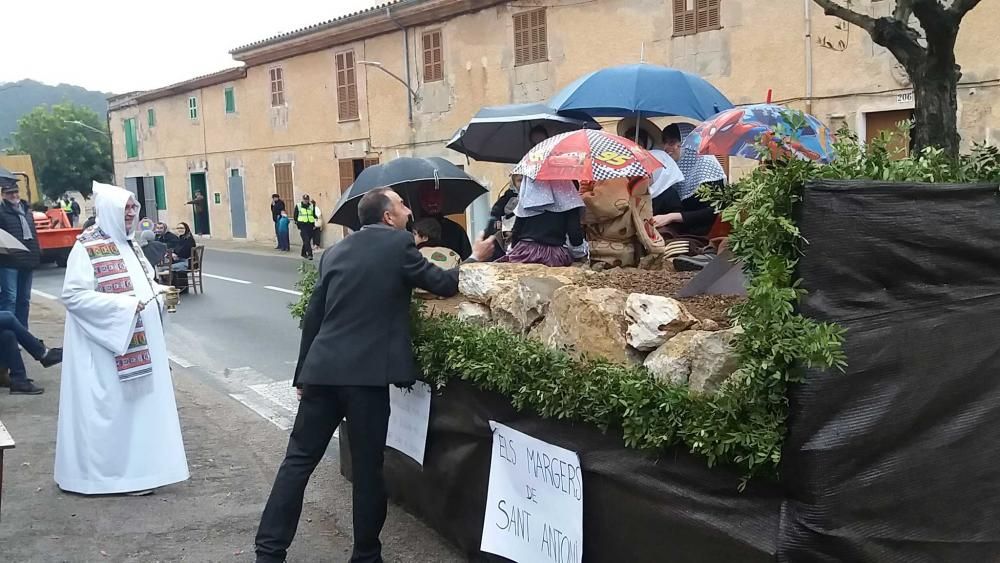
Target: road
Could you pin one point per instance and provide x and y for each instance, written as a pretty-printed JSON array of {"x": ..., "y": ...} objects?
[{"x": 238, "y": 334}]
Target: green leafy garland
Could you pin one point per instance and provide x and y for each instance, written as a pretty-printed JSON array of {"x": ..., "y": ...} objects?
[{"x": 743, "y": 424}]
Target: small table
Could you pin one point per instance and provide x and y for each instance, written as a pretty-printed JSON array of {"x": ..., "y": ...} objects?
[{"x": 6, "y": 443}]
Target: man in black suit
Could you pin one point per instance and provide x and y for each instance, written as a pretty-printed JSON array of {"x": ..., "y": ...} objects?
[{"x": 355, "y": 343}]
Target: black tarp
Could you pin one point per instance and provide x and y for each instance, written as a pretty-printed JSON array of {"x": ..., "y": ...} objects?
[
  {"x": 898, "y": 459},
  {"x": 636, "y": 509}
]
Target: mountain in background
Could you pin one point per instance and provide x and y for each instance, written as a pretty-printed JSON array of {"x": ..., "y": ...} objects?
[{"x": 19, "y": 98}]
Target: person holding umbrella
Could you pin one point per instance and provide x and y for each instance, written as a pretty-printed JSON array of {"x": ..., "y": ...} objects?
[
  {"x": 547, "y": 215},
  {"x": 453, "y": 236},
  {"x": 678, "y": 209}
]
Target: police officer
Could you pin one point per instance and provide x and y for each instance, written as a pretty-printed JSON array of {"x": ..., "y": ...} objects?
[{"x": 305, "y": 218}]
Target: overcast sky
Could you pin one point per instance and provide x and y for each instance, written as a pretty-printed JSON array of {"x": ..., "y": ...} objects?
[{"x": 119, "y": 45}]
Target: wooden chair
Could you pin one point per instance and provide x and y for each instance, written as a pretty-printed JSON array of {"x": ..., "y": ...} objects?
[
  {"x": 164, "y": 274},
  {"x": 194, "y": 269}
]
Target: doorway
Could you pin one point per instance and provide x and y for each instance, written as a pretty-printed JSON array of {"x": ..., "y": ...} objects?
[
  {"x": 144, "y": 190},
  {"x": 237, "y": 204},
  {"x": 878, "y": 121},
  {"x": 199, "y": 205}
]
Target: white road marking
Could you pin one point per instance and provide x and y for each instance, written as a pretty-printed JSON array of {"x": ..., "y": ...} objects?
[
  {"x": 224, "y": 278},
  {"x": 179, "y": 361},
  {"x": 283, "y": 290},
  {"x": 262, "y": 407},
  {"x": 45, "y": 295}
]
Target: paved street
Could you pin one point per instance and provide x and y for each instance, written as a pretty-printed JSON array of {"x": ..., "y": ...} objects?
[{"x": 232, "y": 349}]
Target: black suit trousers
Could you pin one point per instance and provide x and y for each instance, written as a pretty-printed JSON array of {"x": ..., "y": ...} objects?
[
  {"x": 321, "y": 410},
  {"x": 306, "y": 232}
]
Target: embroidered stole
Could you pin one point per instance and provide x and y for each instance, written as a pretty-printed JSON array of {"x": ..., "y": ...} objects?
[{"x": 113, "y": 277}]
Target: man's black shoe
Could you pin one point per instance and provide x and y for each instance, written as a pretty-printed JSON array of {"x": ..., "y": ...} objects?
[
  {"x": 26, "y": 388},
  {"x": 52, "y": 357}
]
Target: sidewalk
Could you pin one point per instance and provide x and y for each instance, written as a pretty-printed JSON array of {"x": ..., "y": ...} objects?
[
  {"x": 233, "y": 455},
  {"x": 257, "y": 248}
]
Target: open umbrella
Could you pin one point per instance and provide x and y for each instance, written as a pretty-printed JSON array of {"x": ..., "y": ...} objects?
[
  {"x": 502, "y": 133},
  {"x": 642, "y": 89},
  {"x": 587, "y": 155},
  {"x": 738, "y": 132},
  {"x": 407, "y": 176},
  {"x": 10, "y": 245}
]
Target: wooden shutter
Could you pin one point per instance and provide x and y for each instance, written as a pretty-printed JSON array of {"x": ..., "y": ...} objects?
[
  {"x": 277, "y": 87},
  {"x": 531, "y": 44},
  {"x": 433, "y": 58},
  {"x": 283, "y": 184},
  {"x": 370, "y": 162},
  {"x": 708, "y": 16},
  {"x": 724, "y": 162},
  {"x": 347, "y": 87},
  {"x": 346, "y": 173}
]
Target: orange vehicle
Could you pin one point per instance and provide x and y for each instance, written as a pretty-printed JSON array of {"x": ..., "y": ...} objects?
[{"x": 56, "y": 236}]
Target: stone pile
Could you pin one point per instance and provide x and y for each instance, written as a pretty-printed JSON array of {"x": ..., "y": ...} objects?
[{"x": 554, "y": 306}]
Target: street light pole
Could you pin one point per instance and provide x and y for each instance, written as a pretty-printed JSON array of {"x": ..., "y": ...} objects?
[
  {"x": 106, "y": 135},
  {"x": 380, "y": 66}
]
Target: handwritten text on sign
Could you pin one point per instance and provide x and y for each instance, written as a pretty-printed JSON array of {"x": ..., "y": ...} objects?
[
  {"x": 408, "y": 419},
  {"x": 534, "y": 508}
]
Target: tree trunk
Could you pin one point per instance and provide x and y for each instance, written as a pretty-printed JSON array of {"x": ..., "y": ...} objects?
[{"x": 935, "y": 96}]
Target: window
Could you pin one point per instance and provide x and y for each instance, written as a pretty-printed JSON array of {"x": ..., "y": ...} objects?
[
  {"x": 230, "y": 100},
  {"x": 694, "y": 16},
  {"x": 433, "y": 67},
  {"x": 531, "y": 44},
  {"x": 193, "y": 107},
  {"x": 283, "y": 183},
  {"x": 277, "y": 87},
  {"x": 151, "y": 117},
  {"x": 131, "y": 139},
  {"x": 347, "y": 87}
]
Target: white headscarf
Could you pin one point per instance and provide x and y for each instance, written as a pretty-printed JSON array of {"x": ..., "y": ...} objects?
[
  {"x": 109, "y": 205},
  {"x": 540, "y": 196},
  {"x": 664, "y": 177}
]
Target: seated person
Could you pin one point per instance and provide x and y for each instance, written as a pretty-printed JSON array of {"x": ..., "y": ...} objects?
[
  {"x": 427, "y": 235},
  {"x": 547, "y": 215},
  {"x": 619, "y": 221},
  {"x": 502, "y": 217},
  {"x": 677, "y": 209},
  {"x": 13, "y": 333},
  {"x": 453, "y": 235},
  {"x": 154, "y": 251}
]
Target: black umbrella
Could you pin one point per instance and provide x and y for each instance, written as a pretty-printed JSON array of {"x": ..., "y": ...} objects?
[
  {"x": 406, "y": 176},
  {"x": 503, "y": 133}
]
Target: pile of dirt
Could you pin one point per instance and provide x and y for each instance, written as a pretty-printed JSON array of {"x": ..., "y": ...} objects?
[{"x": 666, "y": 283}]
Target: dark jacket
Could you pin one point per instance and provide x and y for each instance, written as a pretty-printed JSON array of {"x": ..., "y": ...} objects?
[
  {"x": 10, "y": 221},
  {"x": 499, "y": 210},
  {"x": 183, "y": 247},
  {"x": 276, "y": 208},
  {"x": 453, "y": 236},
  {"x": 356, "y": 329},
  {"x": 550, "y": 228},
  {"x": 698, "y": 216}
]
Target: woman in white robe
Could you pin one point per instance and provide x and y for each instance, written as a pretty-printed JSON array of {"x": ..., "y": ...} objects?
[{"x": 118, "y": 428}]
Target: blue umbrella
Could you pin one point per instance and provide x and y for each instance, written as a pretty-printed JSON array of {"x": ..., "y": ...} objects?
[
  {"x": 641, "y": 90},
  {"x": 502, "y": 133}
]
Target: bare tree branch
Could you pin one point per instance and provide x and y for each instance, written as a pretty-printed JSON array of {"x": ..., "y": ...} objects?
[
  {"x": 939, "y": 25},
  {"x": 961, "y": 7},
  {"x": 832, "y": 8}
]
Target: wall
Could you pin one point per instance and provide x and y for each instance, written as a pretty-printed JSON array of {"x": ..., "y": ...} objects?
[{"x": 762, "y": 46}]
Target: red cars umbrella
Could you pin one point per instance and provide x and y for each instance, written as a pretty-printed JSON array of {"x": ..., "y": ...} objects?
[{"x": 587, "y": 155}]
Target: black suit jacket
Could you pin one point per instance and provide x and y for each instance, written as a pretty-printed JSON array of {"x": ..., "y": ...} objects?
[{"x": 356, "y": 329}]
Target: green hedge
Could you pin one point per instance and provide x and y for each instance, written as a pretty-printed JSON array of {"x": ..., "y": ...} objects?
[{"x": 744, "y": 423}]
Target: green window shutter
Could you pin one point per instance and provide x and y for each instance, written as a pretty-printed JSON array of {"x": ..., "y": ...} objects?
[
  {"x": 193, "y": 107},
  {"x": 131, "y": 141},
  {"x": 230, "y": 100},
  {"x": 161, "y": 193},
  {"x": 151, "y": 117}
]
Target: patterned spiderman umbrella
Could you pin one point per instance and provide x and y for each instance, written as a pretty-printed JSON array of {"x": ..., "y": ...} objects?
[
  {"x": 587, "y": 155},
  {"x": 738, "y": 131}
]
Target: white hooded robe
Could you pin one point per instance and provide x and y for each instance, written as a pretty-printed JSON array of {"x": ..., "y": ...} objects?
[{"x": 114, "y": 436}]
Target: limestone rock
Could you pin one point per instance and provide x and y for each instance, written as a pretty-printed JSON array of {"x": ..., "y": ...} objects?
[
  {"x": 482, "y": 282},
  {"x": 706, "y": 324},
  {"x": 701, "y": 359},
  {"x": 527, "y": 302},
  {"x": 587, "y": 321},
  {"x": 654, "y": 319},
  {"x": 474, "y": 313}
]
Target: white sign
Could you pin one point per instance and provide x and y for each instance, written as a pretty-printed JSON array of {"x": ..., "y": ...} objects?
[
  {"x": 534, "y": 508},
  {"x": 411, "y": 411},
  {"x": 904, "y": 98}
]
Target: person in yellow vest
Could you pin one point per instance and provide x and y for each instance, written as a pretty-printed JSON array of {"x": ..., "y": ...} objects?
[
  {"x": 305, "y": 218},
  {"x": 427, "y": 235}
]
